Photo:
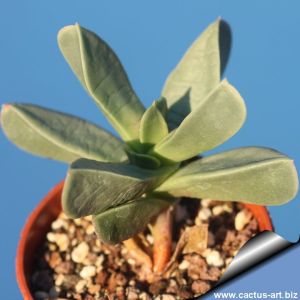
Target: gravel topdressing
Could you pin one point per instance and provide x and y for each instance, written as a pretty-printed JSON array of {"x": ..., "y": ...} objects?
[{"x": 74, "y": 264}]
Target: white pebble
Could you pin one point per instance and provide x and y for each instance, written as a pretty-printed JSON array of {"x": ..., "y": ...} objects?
[
  {"x": 77, "y": 221},
  {"x": 227, "y": 207},
  {"x": 88, "y": 218},
  {"x": 98, "y": 243},
  {"x": 59, "y": 279},
  {"x": 144, "y": 296},
  {"x": 131, "y": 261},
  {"x": 242, "y": 219},
  {"x": 80, "y": 252},
  {"x": 99, "y": 261},
  {"x": 88, "y": 271},
  {"x": 72, "y": 229},
  {"x": 51, "y": 237},
  {"x": 132, "y": 282},
  {"x": 184, "y": 265},
  {"x": 59, "y": 223},
  {"x": 62, "y": 241},
  {"x": 204, "y": 214},
  {"x": 52, "y": 247},
  {"x": 214, "y": 259},
  {"x": 90, "y": 229},
  {"x": 80, "y": 286},
  {"x": 206, "y": 202},
  {"x": 217, "y": 210}
]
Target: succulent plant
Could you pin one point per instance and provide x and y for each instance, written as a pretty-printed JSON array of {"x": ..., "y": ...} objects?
[{"x": 127, "y": 184}]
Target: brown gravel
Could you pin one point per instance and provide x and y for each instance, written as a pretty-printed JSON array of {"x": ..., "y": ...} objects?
[{"x": 74, "y": 264}]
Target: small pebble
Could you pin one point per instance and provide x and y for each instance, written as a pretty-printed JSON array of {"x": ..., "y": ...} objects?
[
  {"x": 184, "y": 265},
  {"x": 131, "y": 261},
  {"x": 120, "y": 292},
  {"x": 77, "y": 221},
  {"x": 242, "y": 219},
  {"x": 98, "y": 243},
  {"x": 62, "y": 241},
  {"x": 206, "y": 202},
  {"x": 88, "y": 271},
  {"x": 90, "y": 229},
  {"x": 145, "y": 296},
  {"x": 200, "y": 287},
  {"x": 204, "y": 214},
  {"x": 94, "y": 288},
  {"x": 54, "y": 259},
  {"x": 217, "y": 210},
  {"x": 80, "y": 286},
  {"x": 214, "y": 258},
  {"x": 132, "y": 294},
  {"x": 51, "y": 237},
  {"x": 88, "y": 218},
  {"x": 58, "y": 224},
  {"x": 80, "y": 252},
  {"x": 228, "y": 207},
  {"x": 132, "y": 282},
  {"x": 72, "y": 229},
  {"x": 101, "y": 277},
  {"x": 59, "y": 279},
  {"x": 52, "y": 247}
]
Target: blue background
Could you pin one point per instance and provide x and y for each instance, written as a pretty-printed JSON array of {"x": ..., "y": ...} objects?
[{"x": 150, "y": 38}]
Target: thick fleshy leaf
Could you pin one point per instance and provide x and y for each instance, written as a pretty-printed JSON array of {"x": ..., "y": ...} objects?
[
  {"x": 162, "y": 105},
  {"x": 153, "y": 126},
  {"x": 254, "y": 175},
  {"x": 101, "y": 73},
  {"x": 92, "y": 187},
  {"x": 55, "y": 135},
  {"x": 122, "y": 222},
  {"x": 215, "y": 120},
  {"x": 198, "y": 72}
]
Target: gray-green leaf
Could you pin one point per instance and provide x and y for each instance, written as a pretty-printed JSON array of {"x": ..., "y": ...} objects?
[
  {"x": 254, "y": 175},
  {"x": 101, "y": 73},
  {"x": 91, "y": 187},
  {"x": 153, "y": 126},
  {"x": 122, "y": 222},
  {"x": 55, "y": 135},
  {"x": 142, "y": 160},
  {"x": 198, "y": 72},
  {"x": 216, "y": 119}
]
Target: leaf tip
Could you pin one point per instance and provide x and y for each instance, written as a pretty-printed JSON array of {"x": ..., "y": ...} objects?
[
  {"x": 5, "y": 107},
  {"x": 65, "y": 30}
]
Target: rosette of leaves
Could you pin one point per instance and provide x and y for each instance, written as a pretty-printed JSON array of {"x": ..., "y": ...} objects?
[{"x": 127, "y": 183}]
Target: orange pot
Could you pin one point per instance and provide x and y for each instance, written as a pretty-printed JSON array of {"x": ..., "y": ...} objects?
[{"x": 39, "y": 223}]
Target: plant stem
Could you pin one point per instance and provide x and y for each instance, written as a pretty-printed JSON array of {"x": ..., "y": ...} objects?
[{"x": 162, "y": 235}]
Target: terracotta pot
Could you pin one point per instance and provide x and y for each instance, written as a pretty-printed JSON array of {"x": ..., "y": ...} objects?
[{"x": 39, "y": 223}]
